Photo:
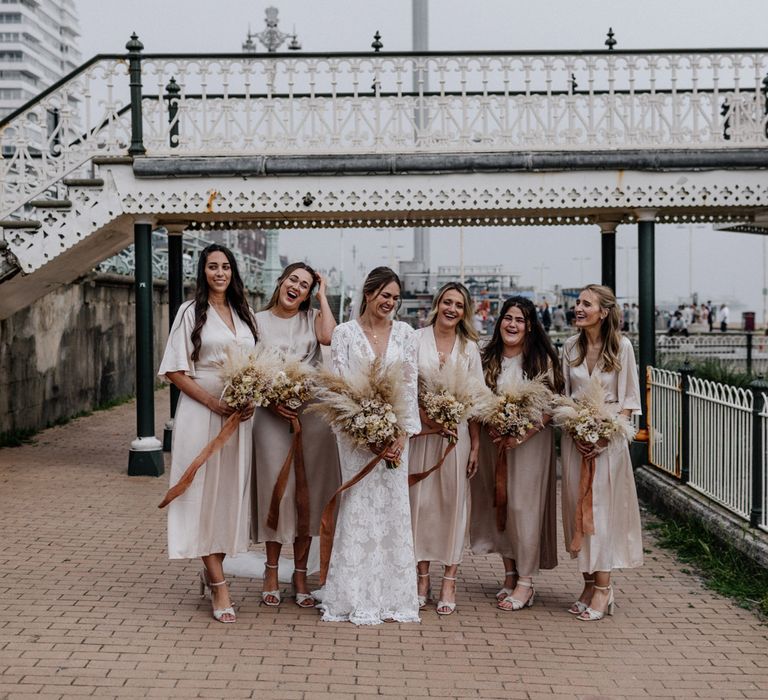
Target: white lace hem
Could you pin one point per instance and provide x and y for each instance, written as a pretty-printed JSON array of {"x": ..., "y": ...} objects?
[{"x": 368, "y": 617}]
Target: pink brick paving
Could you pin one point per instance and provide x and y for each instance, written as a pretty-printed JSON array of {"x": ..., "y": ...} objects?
[{"x": 90, "y": 606}]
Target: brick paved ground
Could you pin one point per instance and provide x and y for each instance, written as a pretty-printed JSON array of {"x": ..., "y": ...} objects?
[{"x": 90, "y": 606}]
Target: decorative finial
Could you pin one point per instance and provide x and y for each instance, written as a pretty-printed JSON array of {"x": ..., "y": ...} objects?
[
  {"x": 572, "y": 82},
  {"x": 610, "y": 42},
  {"x": 134, "y": 45},
  {"x": 377, "y": 45},
  {"x": 173, "y": 88}
]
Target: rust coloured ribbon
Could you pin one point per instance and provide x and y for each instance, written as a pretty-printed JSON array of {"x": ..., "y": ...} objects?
[
  {"x": 328, "y": 520},
  {"x": 500, "y": 487},
  {"x": 295, "y": 456},
  {"x": 227, "y": 430},
  {"x": 584, "y": 521},
  {"x": 416, "y": 478}
]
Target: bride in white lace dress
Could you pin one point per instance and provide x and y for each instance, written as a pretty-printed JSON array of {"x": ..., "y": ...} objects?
[{"x": 372, "y": 572}]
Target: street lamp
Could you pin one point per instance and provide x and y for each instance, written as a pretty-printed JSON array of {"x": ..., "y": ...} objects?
[
  {"x": 541, "y": 269},
  {"x": 581, "y": 268},
  {"x": 628, "y": 249},
  {"x": 271, "y": 38}
]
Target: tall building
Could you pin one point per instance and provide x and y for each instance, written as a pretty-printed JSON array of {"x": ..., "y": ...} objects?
[{"x": 38, "y": 46}]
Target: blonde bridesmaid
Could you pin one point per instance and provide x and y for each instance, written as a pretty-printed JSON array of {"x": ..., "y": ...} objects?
[
  {"x": 440, "y": 502},
  {"x": 600, "y": 350},
  {"x": 210, "y": 519},
  {"x": 519, "y": 345},
  {"x": 289, "y": 323}
]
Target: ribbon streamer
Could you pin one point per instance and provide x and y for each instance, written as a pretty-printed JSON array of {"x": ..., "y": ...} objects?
[
  {"x": 416, "y": 478},
  {"x": 584, "y": 521},
  {"x": 227, "y": 430},
  {"x": 500, "y": 494},
  {"x": 328, "y": 520},
  {"x": 295, "y": 456}
]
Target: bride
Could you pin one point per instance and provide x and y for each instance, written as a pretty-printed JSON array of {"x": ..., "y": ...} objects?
[{"x": 371, "y": 576}]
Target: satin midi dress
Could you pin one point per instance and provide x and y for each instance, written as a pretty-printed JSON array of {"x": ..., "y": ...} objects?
[
  {"x": 617, "y": 542},
  {"x": 530, "y": 535},
  {"x": 212, "y": 515},
  {"x": 272, "y": 439},
  {"x": 440, "y": 503}
]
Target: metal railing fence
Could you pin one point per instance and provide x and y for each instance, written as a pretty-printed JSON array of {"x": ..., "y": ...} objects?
[{"x": 664, "y": 420}]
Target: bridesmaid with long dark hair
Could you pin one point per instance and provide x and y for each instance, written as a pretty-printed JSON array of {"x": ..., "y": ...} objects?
[
  {"x": 289, "y": 323},
  {"x": 210, "y": 519},
  {"x": 528, "y": 543}
]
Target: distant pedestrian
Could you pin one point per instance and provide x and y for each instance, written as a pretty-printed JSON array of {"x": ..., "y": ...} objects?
[
  {"x": 710, "y": 315},
  {"x": 634, "y": 318},
  {"x": 546, "y": 317},
  {"x": 626, "y": 315},
  {"x": 558, "y": 318},
  {"x": 722, "y": 317}
]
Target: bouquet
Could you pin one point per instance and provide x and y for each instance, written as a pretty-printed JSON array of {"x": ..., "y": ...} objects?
[
  {"x": 248, "y": 376},
  {"x": 517, "y": 406},
  {"x": 588, "y": 418},
  {"x": 448, "y": 395},
  {"x": 369, "y": 405}
]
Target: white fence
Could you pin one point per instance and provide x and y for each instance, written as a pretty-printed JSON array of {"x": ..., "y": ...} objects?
[
  {"x": 715, "y": 456},
  {"x": 720, "y": 444},
  {"x": 664, "y": 420}
]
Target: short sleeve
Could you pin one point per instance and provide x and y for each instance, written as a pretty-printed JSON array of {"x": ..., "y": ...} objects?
[
  {"x": 178, "y": 349},
  {"x": 340, "y": 350},
  {"x": 628, "y": 389},
  {"x": 566, "y": 365},
  {"x": 475, "y": 362}
]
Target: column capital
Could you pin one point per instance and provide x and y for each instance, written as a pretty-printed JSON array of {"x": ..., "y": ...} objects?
[
  {"x": 607, "y": 226},
  {"x": 176, "y": 229},
  {"x": 646, "y": 214},
  {"x": 145, "y": 219}
]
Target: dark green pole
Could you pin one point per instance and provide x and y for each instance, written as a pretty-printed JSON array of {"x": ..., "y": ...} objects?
[
  {"x": 647, "y": 302},
  {"x": 759, "y": 389},
  {"x": 146, "y": 454},
  {"x": 135, "y": 48},
  {"x": 175, "y": 299},
  {"x": 608, "y": 254}
]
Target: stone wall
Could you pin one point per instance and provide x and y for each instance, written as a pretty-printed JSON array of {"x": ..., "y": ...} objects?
[{"x": 72, "y": 350}]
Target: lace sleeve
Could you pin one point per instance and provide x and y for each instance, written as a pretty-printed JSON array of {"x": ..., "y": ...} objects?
[
  {"x": 411, "y": 377},
  {"x": 340, "y": 350}
]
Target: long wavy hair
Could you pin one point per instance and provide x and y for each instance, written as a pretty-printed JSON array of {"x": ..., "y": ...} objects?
[
  {"x": 539, "y": 355},
  {"x": 285, "y": 275},
  {"x": 610, "y": 331},
  {"x": 235, "y": 296},
  {"x": 377, "y": 279},
  {"x": 464, "y": 329}
]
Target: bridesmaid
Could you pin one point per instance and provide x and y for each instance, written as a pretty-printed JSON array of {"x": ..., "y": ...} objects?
[
  {"x": 600, "y": 350},
  {"x": 440, "y": 503},
  {"x": 519, "y": 345},
  {"x": 209, "y": 520},
  {"x": 289, "y": 323}
]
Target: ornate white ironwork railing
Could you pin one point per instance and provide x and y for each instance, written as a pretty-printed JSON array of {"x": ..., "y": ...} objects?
[
  {"x": 736, "y": 351},
  {"x": 381, "y": 103},
  {"x": 764, "y": 459},
  {"x": 720, "y": 444},
  {"x": 664, "y": 420}
]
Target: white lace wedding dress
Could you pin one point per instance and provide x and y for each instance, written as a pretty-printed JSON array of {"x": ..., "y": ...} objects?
[{"x": 372, "y": 572}]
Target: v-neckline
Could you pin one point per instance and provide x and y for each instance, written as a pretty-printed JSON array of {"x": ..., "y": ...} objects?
[
  {"x": 233, "y": 331},
  {"x": 437, "y": 352},
  {"x": 370, "y": 347}
]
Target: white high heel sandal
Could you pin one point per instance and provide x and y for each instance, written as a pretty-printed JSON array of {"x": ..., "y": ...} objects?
[
  {"x": 302, "y": 599},
  {"x": 592, "y": 615},
  {"x": 578, "y": 607},
  {"x": 451, "y": 607},
  {"x": 218, "y": 613},
  {"x": 519, "y": 604},
  {"x": 424, "y": 599},
  {"x": 505, "y": 592},
  {"x": 270, "y": 594}
]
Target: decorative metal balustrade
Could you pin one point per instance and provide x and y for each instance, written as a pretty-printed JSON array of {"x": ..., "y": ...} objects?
[
  {"x": 702, "y": 433},
  {"x": 209, "y": 105}
]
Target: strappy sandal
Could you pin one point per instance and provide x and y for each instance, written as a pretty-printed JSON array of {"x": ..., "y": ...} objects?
[
  {"x": 514, "y": 603},
  {"x": 218, "y": 613},
  {"x": 303, "y": 600},
  {"x": 443, "y": 606},
  {"x": 506, "y": 592},
  {"x": 578, "y": 607},
  {"x": 592, "y": 615},
  {"x": 275, "y": 595},
  {"x": 424, "y": 599}
]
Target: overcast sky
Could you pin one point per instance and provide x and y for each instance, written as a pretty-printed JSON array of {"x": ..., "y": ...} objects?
[{"x": 724, "y": 265}]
